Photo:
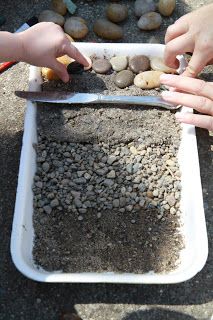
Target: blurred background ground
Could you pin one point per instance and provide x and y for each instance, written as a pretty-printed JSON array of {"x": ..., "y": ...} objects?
[{"x": 21, "y": 298}]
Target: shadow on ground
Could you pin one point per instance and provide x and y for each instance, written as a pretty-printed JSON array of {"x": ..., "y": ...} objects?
[{"x": 157, "y": 314}]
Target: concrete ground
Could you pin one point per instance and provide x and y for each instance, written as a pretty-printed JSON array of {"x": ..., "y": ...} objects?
[{"x": 23, "y": 299}]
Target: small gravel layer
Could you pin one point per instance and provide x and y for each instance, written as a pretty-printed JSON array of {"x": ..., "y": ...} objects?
[{"x": 106, "y": 205}]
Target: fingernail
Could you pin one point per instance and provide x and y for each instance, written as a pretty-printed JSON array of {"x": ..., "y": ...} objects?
[{"x": 165, "y": 77}]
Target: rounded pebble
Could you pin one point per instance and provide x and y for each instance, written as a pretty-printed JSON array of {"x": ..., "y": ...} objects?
[
  {"x": 119, "y": 63},
  {"x": 75, "y": 68},
  {"x": 51, "y": 16},
  {"x": 101, "y": 66},
  {"x": 150, "y": 21},
  {"x": 166, "y": 7},
  {"x": 139, "y": 63},
  {"x": 124, "y": 79},
  {"x": 76, "y": 28},
  {"x": 144, "y": 6},
  {"x": 45, "y": 166},
  {"x": 116, "y": 12},
  {"x": 54, "y": 203},
  {"x": 148, "y": 79},
  {"x": 47, "y": 209},
  {"x": 153, "y": 39},
  {"x": 107, "y": 30},
  {"x": 159, "y": 65},
  {"x": 59, "y": 6}
]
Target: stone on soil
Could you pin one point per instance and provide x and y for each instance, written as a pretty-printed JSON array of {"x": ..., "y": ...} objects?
[{"x": 150, "y": 21}]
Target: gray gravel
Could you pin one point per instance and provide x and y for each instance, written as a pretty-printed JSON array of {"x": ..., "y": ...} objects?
[{"x": 21, "y": 298}]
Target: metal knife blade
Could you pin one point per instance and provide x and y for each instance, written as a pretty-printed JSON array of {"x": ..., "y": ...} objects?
[{"x": 87, "y": 98}]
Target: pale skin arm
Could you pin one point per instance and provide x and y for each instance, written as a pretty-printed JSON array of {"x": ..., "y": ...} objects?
[
  {"x": 193, "y": 33},
  {"x": 40, "y": 46},
  {"x": 196, "y": 94}
]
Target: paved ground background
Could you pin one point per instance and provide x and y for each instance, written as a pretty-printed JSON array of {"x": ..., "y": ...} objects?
[{"x": 23, "y": 299}]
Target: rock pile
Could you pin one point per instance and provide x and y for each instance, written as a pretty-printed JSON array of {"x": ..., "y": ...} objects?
[
  {"x": 76, "y": 177},
  {"x": 134, "y": 69}
]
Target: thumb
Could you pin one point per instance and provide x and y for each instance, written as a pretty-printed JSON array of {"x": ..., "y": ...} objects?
[{"x": 61, "y": 70}]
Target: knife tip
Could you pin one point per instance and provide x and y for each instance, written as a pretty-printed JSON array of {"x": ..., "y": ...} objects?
[{"x": 19, "y": 94}]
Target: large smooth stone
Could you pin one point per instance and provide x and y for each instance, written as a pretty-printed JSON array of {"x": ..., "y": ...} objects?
[
  {"x": 117, "y": 12},
  {"x": 148, "y": 79},
  {"x": 150, "y": 21},
  {"x": 101, "y": 66},
  {"x": 75, "y": 68},
  {"x": 144, "y": 6},
  {"x": 59, "y": 6},
  {"x": 51, "y": 16},
  {"x": 79, "y": 19},
  {"x": 76, "y": 27},
  {"x": 119, "y": 63},
  {"x": 166, "y": 7},
  {"x": 158, "y": 64},
  {"x": 124, "y": 79},
  {"x": 139, "y": 63},
  {"x": 153, "y": 39},
  {"x": 107, "y": 30}
]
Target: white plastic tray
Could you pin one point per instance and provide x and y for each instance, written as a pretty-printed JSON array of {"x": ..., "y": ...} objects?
[{"x": 193, "y": 256}]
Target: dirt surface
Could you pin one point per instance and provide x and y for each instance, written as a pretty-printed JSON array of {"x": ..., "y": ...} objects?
[
  {"x": 92, "y": 82},
  {"x": 111, "y": 242},
  {"x": 22, "y": 298}
]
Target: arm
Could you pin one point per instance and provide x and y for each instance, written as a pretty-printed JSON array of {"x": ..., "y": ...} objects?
[
  {"x": 10, "y": 47},
  {"x": 193, "y": 33},
  {"x": 40, "y": 45}
]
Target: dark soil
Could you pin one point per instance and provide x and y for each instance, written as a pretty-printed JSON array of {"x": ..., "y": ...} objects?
[{"x": 111, "y": 243}]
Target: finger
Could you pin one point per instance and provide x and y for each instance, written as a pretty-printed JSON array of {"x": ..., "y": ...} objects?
[
  {"x": 186, "y": 84},
  {"x": 198, "y": 61},
  {"x": 210, "y": 61},
  {"x": 61, "y": 70},
  {"x": 74, "y": 53},
  {"x": 177, "y": 46},
  {"x": 175, "y": 30},
  {"x": 201, "y": 104},
  {"x": 197, "y": 120}
]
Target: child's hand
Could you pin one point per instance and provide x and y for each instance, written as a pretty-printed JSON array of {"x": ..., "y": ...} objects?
[
  {"x": 43, "y": 43},
  {"x": 193, "y": 33},
  {"x": 199, "y": 96}
]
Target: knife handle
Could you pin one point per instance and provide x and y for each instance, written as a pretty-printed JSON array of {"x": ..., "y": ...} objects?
[{"x": 137, "y": 100}]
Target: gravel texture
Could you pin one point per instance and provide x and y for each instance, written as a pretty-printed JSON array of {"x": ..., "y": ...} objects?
[
  {"x": 22, "y": 298},
  {"x": 113, "y": 203}
]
